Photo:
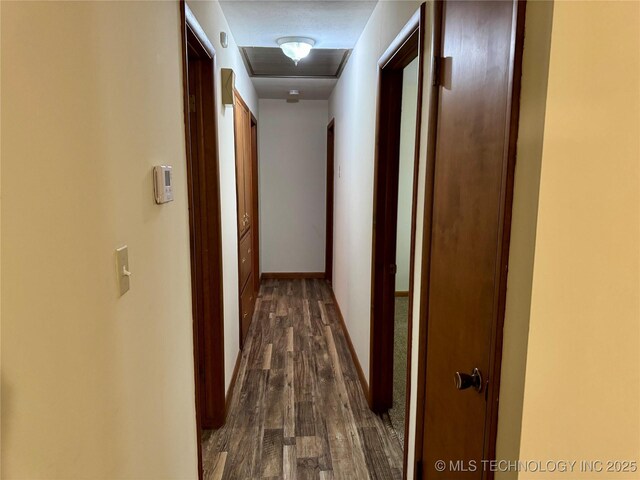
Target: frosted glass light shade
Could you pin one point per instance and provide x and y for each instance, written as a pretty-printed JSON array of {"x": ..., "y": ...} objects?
[{"x": 296, "y": 48}]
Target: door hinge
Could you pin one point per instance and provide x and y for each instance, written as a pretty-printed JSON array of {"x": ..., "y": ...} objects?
[
  {"x": 393, "y": 269},
  {"x": 442, "y": 72},
  {"x": 192, "y": 103},
  {"x": 437, "y": 67}
]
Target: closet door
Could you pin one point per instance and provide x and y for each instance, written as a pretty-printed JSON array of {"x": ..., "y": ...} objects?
[
  {"x": 245, "y": 193},
  {"x": 240, "y": 117},
  {"x": 248, "y": 170}
]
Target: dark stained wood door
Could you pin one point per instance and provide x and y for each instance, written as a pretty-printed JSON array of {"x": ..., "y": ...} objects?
[
  {"x": 248, "y": 170},
  {"x": 470, "y": 222},
  {"x": 247, "y": 197},
  {"x": 240, "y": 130}
]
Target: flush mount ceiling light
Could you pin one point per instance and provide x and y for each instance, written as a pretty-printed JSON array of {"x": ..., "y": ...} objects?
[{"x": 296, "y": 48}]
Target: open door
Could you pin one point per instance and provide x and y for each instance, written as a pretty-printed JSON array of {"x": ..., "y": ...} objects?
[{"x": 478, "y": 50}]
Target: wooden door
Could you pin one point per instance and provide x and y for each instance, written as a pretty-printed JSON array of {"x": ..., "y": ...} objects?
[
  {"x": 247, "y": 195},
  {"x": 240, "y": 119},
  {"x": 481, "y": 44},
  {"x": 248, "y": 170}
]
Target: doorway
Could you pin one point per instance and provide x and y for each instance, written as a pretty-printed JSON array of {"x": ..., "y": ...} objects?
[
  {"x": 328, "y": 258},
  {"x": 255, "y": 238},
  {"x": 395, "y": 197},
  {"x": 404, "y": 258},
  {"x": 204, "y": 225}
]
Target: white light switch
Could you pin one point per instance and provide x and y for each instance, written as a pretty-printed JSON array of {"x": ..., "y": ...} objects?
[{"x": 122, "y": 266}]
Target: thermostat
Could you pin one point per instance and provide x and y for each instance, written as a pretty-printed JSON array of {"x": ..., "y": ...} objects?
[{"x": 163, "y": 183}]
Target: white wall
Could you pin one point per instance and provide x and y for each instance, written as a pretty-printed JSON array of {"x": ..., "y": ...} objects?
[
  {"x": 405, "y": 177},
  {"x": 212, "y": 20},
  {"x": 353, "y": 104},
  {"x": 94, "y": 384},
  {"x": 292, "y": 142}
]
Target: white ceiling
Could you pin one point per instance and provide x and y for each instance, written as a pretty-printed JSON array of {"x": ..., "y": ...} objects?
[
  {"x": 310, "y": 88},
  {"x": 332, "y": 24}
]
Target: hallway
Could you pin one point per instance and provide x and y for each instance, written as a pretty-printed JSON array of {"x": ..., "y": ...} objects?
[
  {"x": 298, "y": 410},
  {"x": 353, "y": 239}
]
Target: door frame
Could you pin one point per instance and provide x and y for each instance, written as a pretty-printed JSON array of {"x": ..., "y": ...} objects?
[
  {"x": 439, "y": 69},
  {"x": 203, "y": 187},
  {"x": 328, "y": 256},
  {"x": 407, "y": 46},
  {"x": 255, "y": 207}
]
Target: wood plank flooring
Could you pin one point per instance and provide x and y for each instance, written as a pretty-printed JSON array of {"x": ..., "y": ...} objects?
[{"x": 298, "y": 410}]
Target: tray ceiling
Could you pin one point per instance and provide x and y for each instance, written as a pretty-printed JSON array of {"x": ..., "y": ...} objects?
[{"x": 271, "y": 62}]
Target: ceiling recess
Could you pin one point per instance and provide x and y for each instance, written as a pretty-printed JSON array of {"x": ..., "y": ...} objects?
[{"x": 271, "y": 62}]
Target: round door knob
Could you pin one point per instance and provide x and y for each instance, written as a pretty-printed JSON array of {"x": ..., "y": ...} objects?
[{"x": 464, "y": 380}]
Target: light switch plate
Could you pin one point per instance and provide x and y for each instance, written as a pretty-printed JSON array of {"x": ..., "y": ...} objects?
[{"x": 122, "y": 266}]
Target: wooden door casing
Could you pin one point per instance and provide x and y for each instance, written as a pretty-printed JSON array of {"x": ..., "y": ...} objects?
[
  {"x": 406, "y": 47},
  {"x": 255, "y": 221},
  {"x": 328, "y": 258},
  {"x": 205, "y": 235}
]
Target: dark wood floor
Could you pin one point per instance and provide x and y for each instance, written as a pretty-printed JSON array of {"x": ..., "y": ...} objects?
[{"x": 298, "y": 410}]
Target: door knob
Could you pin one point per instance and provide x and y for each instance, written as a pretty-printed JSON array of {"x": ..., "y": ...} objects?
[{"x": 464, "y": 380}]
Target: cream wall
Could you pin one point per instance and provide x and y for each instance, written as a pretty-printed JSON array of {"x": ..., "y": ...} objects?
[
  {"x": 94, "y": 385},
  {"x": 582, "y": 387},
  {"x": 212, "y": 20},
  {"x": 293, "y": 168}
]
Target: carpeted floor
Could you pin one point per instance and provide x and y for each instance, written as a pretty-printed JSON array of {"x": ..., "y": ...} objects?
[{"x": 397, "y": 413}]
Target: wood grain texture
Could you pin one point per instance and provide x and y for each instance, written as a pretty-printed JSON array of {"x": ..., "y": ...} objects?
[
  {"x": 290, "y": 275},
  {"x": 247, "y": 205},
  {"x": 363, "y": 378},
  {"x": 298, "y": 410},
  {"x": 462, "y": 309},
  {"x": 234, "y": 377}
]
